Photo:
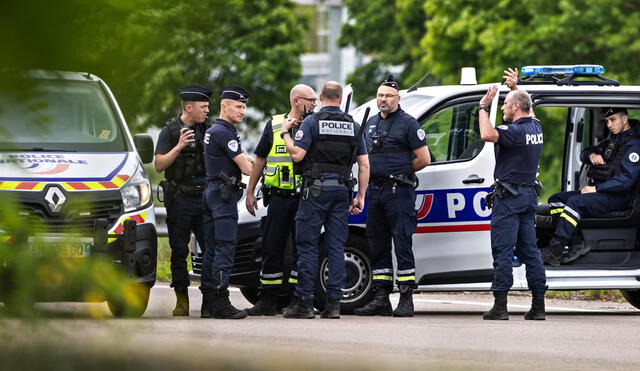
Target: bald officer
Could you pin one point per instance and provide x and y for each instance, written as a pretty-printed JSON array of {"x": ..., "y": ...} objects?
[{"x": 225, "y": 163}]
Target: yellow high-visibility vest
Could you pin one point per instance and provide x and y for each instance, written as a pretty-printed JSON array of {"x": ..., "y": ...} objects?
[{"x": 279, "y": 168}]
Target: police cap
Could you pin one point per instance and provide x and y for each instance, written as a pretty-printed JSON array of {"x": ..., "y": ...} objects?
[
  {"x": 235, "y": 93},
  {"x": 390, "y": 82},
  {"x": 194, "y": 93},
  {"x": 608, "y": 111}
]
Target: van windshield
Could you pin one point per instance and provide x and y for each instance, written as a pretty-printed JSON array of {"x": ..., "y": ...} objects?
[{"x": 60, "y": 115}]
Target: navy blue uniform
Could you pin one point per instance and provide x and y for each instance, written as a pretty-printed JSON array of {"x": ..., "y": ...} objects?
[
  {"x": 612, "y": 191},
  {"x": 184, "y": 208},
  {"x": 518, "y": 153},
  {"x": 328, "y": 209},
  {"x": 277, "y": 226},
  {"x": 222, "y": 144},
  {"x": 391, "y": 211}
]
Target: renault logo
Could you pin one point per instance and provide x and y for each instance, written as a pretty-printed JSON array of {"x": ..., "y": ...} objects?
[{"x": 55, "y": 199}]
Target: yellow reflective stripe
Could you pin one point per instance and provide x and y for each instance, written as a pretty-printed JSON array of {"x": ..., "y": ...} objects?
[
  {"x": 293, "y": 280},
  {"x": 271, "y": 282},
  {"x": 9, "y": 185},
  {"x": 382, "y": 277},
  {"x": 569, "y": 219},
  {"x": 406, "y": 278},
  {"x": 556, "y": 211}
]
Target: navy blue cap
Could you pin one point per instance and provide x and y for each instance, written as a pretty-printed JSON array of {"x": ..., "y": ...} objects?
[
  {"x": 235, "y": 93},
  {"x": 194, "y": 93},
  {"x": 390, "y": 82},
  {"x": 608, "y": 111}
]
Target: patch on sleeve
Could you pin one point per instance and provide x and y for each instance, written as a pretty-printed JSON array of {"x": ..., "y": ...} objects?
[
  {"x": 634, "y": 157},
  {"x": 421, "y": 134},
  {"x": 233, "y": 145},
  {"x": 503, "y": 127},
  {"x": 299, "y": 135}
]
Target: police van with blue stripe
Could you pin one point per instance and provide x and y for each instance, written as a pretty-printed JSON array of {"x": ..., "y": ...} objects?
[{"x": 452, "y": 241}]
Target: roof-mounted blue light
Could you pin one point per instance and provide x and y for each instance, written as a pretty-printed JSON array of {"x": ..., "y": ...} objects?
[{"x": 578, "y": 69}]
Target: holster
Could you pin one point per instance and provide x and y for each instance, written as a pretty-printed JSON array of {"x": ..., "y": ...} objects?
[
  {"x": 266, "y": 196},
  {"x": 168, "y": 192},
  {"x": 503, "y": 189}
]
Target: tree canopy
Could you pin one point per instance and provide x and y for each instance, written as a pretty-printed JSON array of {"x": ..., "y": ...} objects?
[{"x": 146, "y": 49}]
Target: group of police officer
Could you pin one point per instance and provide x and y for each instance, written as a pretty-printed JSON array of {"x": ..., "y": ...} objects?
[{"x": 305, "y": 159}]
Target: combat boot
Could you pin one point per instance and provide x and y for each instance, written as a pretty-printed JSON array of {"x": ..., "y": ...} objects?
[
  {"x": 380, "y": 305},
  {"x": 292, "y": 303},
  {"x": 499, "y": 310},
  {"x": 182, "y": 302},
  {"x": 223, "y": 309},
  {"x": 537, "y": 311},
  {"x": 266, "y": 305},
  {"x": 302, "y": 309},
  {"x": 208, "y": 299},
  {"x": 405, "y": 305},
  {"x": 576, "y": 251},
  {"x": 553, "y": 253},
  {"x": 331, "y": 309}
]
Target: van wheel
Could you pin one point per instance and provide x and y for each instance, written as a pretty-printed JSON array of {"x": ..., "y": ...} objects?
[
  {"x": 632, "y": 296},
  {"x": 131, "y": 302},
  {"x": 358, "y": 288}
]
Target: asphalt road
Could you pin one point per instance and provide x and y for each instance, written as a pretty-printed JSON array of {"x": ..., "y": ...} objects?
[{"x": 447, "y": 332}]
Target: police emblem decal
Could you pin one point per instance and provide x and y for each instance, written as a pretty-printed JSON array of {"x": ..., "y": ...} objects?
[
  {"x": 634, "y": 157},
  {"x": 421, "y": 134},
  {"x": 299, "y": 135},
  {"x": 503, "y": 127},
  {"x": 233, "y": 145}
]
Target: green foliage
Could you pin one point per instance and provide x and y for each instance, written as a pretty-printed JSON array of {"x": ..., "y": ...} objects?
[{"x": 146, "y": 49}]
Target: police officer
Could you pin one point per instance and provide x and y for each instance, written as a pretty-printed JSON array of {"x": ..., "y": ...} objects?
[
  {"x": 518, "y": 149},
  {"x": 327, "y": 141},
  {"x": 282, "y": 183},
  {"x": 225, "y": 163},
  {"x": 180, "y": 154},
  {"x": 613, "y": 175},
  {"x": 397, "y": 149}
]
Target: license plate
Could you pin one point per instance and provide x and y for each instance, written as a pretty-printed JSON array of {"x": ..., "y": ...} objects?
[{"x": 65, "y": 250}]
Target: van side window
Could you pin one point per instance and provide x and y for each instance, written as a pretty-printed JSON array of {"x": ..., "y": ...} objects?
[{"x": 453, "y": 133}]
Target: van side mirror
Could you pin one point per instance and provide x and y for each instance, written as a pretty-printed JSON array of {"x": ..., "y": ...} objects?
[{"x": 144, "y": 145}]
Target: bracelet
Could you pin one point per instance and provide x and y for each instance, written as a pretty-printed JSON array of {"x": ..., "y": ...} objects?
[{"x": 283, "y": 133}]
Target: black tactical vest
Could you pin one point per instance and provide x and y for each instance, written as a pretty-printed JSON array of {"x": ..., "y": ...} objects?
[
  {"x": 613, "y": 158},
  {"x": 189, "y": 164},
  {"x": 331, "y": 153}
]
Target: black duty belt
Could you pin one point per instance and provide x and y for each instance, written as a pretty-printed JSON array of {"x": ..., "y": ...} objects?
[
  {"x": 190, "y": 190},
  {"x": 385, "y": 182},
  {"x": 284, "y": 192}
]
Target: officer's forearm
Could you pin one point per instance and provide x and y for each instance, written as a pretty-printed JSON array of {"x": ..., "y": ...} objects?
[
  {"x": 244, "y": 163},
  {"x": 422, "y": 160},
  {"x": 256, "y": 173},
  {"x": 297, "y": 153},
  {"x": 363, "y": 174},
  {"x": 162, "y": 162},
  {"x": 487, "y": 132}
]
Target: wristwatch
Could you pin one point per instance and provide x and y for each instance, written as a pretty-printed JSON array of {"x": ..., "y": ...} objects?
[
  {"x": 484, "y": 107},
  {"x": 283, "y": 133}
]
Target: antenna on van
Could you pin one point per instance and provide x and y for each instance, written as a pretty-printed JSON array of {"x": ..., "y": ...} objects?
[{"x": 414, "y": 87}]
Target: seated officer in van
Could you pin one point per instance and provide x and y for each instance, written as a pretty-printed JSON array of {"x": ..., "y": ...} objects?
[{"x": 613, "y": 174}]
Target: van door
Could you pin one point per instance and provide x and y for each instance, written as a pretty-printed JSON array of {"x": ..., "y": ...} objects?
[{"x": 452, "y": 241}]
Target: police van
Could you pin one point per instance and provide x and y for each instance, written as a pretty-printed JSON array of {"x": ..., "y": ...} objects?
[
  {"x": 452, "y": 244},
  {"x": 69, "y": 162}
]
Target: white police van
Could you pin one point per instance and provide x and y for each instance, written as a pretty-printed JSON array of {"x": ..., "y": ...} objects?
[
  {"x": 69, "y": 162},
  {"x": 452, "y": 242}
]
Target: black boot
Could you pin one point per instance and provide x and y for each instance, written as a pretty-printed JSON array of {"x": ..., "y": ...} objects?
[
  {"x": 405, "y": 305},
  {"x": 576, "y": 251},
  {"x": 302, "y": 309},
  {"x": 537, "y": 308},
  {"x": 499, "y": 310},
  {"x": 207, "y": 309},
  {"x": 223, "y": 309},
  {"x": 266, "y": 305},
  {"x": 182, "y": 302},
  {"x": 292, "y": 303},
  {"x": 331, "y": 309},
  {"x": 380, "y": 305},
  {"x": 553, "y": 253}
]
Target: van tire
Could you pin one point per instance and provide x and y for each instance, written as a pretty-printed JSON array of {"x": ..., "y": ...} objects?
[
  {"x": 132, "y": 306},
  {"x": 632, "y": 296},
  {"x": 359, "y": 285}
]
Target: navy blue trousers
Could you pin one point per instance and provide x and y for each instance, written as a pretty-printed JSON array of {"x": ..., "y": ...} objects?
[
  {"x": 278, "y": 225},
  {"x": 571, "y": 206},
  {"x": 391, "y": 216},
  {"x": 331, "y": 210},
  {"x": 184, "y": 215},
  {"x": 513, "y": 225},
  {"x": 220, "y": 225}
]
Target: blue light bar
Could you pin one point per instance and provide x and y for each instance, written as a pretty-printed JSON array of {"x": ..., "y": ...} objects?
[{"x": 577, "y": 69}]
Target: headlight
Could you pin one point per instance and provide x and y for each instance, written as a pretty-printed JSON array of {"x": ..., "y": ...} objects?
[{"x": 136, "y": 193}]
